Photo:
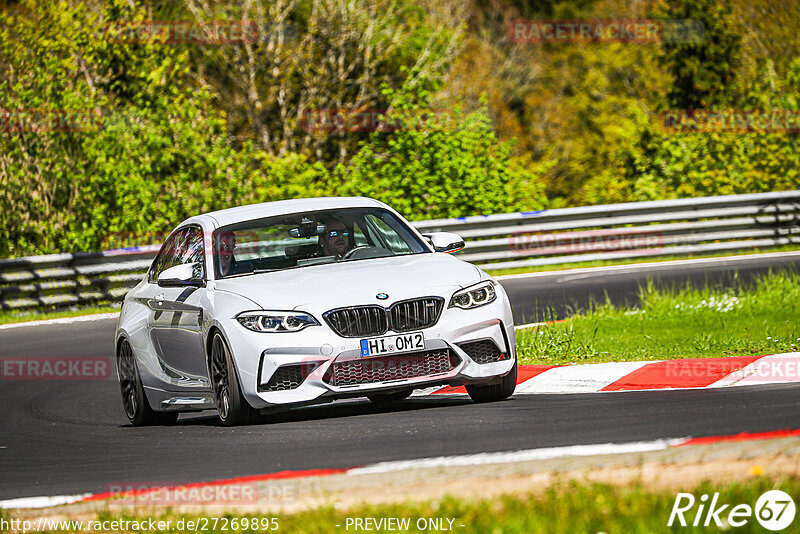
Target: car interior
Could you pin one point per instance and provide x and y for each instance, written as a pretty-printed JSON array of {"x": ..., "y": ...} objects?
[{"x": 259, "y": 250}]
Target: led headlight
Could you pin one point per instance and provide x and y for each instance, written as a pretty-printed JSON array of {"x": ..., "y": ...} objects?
[
  {"x": 474, "y": 296},
  {"x": 276, "y": 321}
]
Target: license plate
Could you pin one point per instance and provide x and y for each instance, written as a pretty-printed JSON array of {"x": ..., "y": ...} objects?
[{"x": 392, "y": 344}]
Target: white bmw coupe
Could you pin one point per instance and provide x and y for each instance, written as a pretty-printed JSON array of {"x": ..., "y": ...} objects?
[{"x": 306, "y": 301}]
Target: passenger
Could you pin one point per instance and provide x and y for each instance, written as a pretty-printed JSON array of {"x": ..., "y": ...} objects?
[{"x": 226, "y": 243}]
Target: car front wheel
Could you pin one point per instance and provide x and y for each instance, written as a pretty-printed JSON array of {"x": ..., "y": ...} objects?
[
  {"x": 495, "y": 392},
  {"x": 232, "y": 407}
]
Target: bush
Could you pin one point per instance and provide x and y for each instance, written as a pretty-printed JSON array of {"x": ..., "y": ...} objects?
[{"x": 451, "y": 165}]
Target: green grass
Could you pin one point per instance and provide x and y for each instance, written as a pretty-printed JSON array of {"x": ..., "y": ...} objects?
[
  {"x": 564, "y": 507},
  {"x": 627, "y": 261},
  {"x": 761, "y": 318},
  {"x": 41, "y": 314}
]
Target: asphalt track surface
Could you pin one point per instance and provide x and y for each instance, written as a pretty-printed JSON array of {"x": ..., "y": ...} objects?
[{"x": 68, "y": 437}]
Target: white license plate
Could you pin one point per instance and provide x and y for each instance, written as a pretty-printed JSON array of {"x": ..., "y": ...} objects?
[{"x": 392, "y": 344}]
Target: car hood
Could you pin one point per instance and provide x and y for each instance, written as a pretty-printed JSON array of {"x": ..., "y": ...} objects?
[{"x": 318, "y": 288}]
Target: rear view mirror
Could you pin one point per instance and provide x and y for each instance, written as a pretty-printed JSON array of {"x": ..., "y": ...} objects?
[
  {"x": 307, "y": 228},
  {"x": 186, "y": 275}
]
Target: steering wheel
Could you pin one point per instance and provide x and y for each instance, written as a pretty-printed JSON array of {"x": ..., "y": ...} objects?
[{"x": 350, "y": 253}]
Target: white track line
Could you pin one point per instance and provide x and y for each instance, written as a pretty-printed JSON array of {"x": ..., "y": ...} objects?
[
  {"x": 62, "y": 320},
  {"x": 42, "y": 502},
  {"x": 519, "y": 456}
]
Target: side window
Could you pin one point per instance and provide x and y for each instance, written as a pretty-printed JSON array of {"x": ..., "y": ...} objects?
[
  {"x": 184, "y": 246},
  {"x": 165, "y": 256},
  {"x": 191, "y": 249},
  {"x": 389, "y": 236},
  {"x": 358, "y": 236}
]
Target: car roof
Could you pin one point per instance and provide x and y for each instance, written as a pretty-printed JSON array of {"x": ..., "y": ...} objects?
[{"x": 281, "y": 207}]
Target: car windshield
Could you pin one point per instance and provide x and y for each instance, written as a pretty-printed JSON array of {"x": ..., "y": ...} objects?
[{"x": 311, "y": 238}]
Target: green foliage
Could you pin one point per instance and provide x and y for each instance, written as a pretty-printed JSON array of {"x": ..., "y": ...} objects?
[
  {"x": 152, "y": 155},
  {"x": 440, "y": 164},
  {"x": 703, "y": 70},
  {"x": 159, "y": 146},
  {"x": 606, "y": 94},
  {"x": 171, "y": 130},
  {"x": 663, "y": 164},
  {"x": 151, "y": 170},
  {"x": 589, "y": 113},
  {"x": 690, "y": 165},
  {"x": 314, "y": 56}
]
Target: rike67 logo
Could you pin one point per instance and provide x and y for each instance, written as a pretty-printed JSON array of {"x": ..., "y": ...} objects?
[{"x": 774, "y": 510}]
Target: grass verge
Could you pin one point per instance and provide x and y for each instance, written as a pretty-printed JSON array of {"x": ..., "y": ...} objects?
[
  {"x": 629, "y": 261},
  {"x": 7, "y": 317},
  {"x": 760, "y": 318},
  {"x": 563, "y": 507}
]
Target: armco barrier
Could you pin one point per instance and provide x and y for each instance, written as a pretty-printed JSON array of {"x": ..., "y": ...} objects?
[{"x": 527, "y": 239}]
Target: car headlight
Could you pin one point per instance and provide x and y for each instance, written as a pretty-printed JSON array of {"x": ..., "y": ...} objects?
[
  {"x": 276, "y": 321},
  {"x": 474, "y": 296}
]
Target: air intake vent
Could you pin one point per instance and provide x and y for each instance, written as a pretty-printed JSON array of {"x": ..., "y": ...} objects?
[
  {"x": 389, "y": 368},
  {"x": 288, "y": 377},
  {"x": 483, "y": 351}
]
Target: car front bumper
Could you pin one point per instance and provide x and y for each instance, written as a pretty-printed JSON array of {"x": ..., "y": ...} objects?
[{"x": 259, "y": 355}]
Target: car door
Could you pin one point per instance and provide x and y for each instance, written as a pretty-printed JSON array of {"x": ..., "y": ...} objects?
[{"x": 176, "y": 313}]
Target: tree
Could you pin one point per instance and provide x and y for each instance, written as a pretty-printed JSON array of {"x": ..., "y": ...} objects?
[
  {"x": 703, "y": 69},
  {"x": 434, "y": 164}
]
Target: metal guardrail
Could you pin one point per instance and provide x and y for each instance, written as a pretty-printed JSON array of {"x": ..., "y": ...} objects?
[
  {"x": 66, "y": 279},
  {"x": 503, "y": 241}
]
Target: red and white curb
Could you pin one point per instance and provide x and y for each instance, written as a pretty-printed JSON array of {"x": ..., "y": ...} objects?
[
  {"x": 638, "y": 376},
  {"x": 487, "y": 458}
]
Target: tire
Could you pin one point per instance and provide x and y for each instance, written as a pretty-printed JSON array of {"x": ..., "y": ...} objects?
[
  {"x": 495, "y": 392},
  {"x": 134, "y": 399},
  {"x": 395, "y": 396},
  {"x": 232, "y": 407}
]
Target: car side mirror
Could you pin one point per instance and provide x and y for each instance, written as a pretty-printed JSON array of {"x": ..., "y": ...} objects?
[
  {"x": 445, "y": 241},
  {"x": 186, "y": 275}
]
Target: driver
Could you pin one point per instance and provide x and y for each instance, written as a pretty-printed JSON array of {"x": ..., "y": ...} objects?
[{"x": 336, "y": 239}]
